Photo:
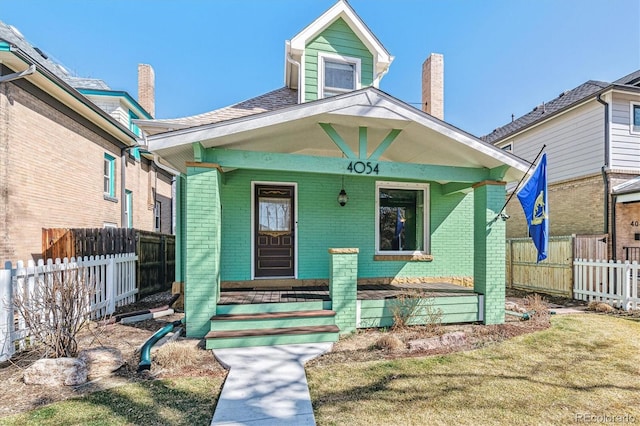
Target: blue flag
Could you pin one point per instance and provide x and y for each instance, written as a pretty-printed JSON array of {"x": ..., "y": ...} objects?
[{"x": 533, "y": 197}]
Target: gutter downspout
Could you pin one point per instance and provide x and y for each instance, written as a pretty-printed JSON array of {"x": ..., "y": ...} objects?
[
  {"x": 605, "y": 178},
  {"x": 294, "y": 62},
  {"x": 123, "y": 187}
]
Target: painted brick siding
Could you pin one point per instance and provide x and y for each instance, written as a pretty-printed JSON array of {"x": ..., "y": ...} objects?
[
  {"x": 339, "y": 39},
  {"x": 343, "y": 289},
  {"x": 489, "y": 251},
  {"x": 52, "y": 175},
  {"x": 323, "y": 224},
  {"x": 202, "y": 248},
  {"x": 575, "y": 207}
]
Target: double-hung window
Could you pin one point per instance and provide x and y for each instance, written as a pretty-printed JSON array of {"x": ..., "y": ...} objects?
[
  {"x": 402, "y": 218},
  {"x": 128, "y": 208},
  {"x": 338, "y": 74},
  {"x": 635, "y": 118},
  {"x": 109, "y": 176},
  {"x": 157, "y": 210}
]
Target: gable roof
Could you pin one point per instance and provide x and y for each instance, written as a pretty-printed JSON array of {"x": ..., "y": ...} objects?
[
  {"x": 294, "y": 48},
  {"x": 630, "y": 82},
  {"x": 423, "y": 139}
]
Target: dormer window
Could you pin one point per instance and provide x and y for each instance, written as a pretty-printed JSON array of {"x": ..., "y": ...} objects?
[{"x": 338, "y": 74}]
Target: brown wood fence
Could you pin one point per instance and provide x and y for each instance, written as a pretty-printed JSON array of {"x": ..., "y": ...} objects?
[
  {"x": 554, "y": 275},
  {"x": 155, "y": 268}
]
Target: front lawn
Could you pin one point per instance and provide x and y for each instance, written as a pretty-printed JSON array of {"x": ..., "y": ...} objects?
[
  {"x": 583, "y": 366},
  {"x": 584, "y": 369}
]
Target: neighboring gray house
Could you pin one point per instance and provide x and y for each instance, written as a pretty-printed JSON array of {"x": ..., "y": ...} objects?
[{"x": 592, "y": 134}]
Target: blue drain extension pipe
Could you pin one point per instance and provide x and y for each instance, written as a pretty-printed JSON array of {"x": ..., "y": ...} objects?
[{"x": 145, "y": 352}]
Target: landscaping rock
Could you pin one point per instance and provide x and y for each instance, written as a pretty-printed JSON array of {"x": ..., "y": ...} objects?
[
  {"x": 101, "y": 362},
  {"x": 425, "y": 344},
  {"x": 56, "y": 372},
  {"x": 447, "y": 340},
  {"x": 457, "y": 338}
]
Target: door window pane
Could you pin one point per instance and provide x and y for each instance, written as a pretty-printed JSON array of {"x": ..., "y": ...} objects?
[{"x": 275, "y": 214}]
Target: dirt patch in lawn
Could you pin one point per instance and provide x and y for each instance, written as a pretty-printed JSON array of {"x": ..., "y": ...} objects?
[
  {"x": 128, "y": 338},
  {"x": 360, "y": 346}
]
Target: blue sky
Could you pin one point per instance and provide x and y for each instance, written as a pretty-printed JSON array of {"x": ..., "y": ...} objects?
[{"x": 501, "y": 57}]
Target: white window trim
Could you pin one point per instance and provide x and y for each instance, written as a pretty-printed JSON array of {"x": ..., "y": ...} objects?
[
  {"x": 427, "y": 213},
  {"x": 632, "y": 130},
  {"x": 253, "y": 231},
  {"x": 508, "y": 147},
  {"x": 109, "y": 225},
  {"x": 322, "y": 56},
  {"x": 111, "y": 161}
]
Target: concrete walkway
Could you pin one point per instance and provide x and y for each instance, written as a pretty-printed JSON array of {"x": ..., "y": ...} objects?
[{"x": 266, "y": 385}]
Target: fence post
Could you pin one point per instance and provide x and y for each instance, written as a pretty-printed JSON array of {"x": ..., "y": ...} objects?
[
  {"x": 6, "y": 313},
  {"x": 624, "y": 302},
  {"x": 109, "y": 285}
]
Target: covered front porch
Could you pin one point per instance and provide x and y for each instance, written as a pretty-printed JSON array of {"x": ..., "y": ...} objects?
[{"x": 258, "y": 205}]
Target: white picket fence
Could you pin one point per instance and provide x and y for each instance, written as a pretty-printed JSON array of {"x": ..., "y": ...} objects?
[
  {"x": 114, "y": 277},
  {"x": 615, "y": 283}
]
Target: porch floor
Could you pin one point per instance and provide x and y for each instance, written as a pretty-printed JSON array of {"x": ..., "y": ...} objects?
[{"x": 245, "y": 296}]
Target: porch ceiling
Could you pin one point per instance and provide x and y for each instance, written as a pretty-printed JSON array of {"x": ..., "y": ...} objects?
[{"x": 422, "y": 139}]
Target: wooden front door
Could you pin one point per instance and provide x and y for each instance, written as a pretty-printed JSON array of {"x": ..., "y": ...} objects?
[{"x": 274, "y": 230}]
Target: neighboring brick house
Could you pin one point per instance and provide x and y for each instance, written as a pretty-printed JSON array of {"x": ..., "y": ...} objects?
[
  {"x": 592, "y": 137},
  {"x": 330, "y": 181},
  {"x": 64, "y": 161}
]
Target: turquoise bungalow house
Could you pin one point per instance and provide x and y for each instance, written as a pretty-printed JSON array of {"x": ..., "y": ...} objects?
[{"x": 304, "y": 211}]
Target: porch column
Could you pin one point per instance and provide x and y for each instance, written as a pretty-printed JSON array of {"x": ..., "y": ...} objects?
[
  {"x": 343, "y": 287},
  {"x": 203, "y": 217},
  {"x": 489, "y": 248}
]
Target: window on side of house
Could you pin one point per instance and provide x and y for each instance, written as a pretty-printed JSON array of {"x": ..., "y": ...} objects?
[
  {"x": 338, "y": 74},
  {"x": 635, "y": 118},
  {"x": 109, "y": 176},
  {"x": 508, "y": 147},
  {"x": 128, "y": 208},
  {"x": 402, "y": 218},
  {"x": 157, "y": 210}
]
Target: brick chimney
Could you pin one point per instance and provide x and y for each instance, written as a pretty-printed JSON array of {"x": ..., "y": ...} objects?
[
  {"x": 433, "y": 85},
  {"x": 147, "y": 88}
]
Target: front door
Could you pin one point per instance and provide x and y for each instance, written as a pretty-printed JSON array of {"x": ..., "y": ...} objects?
[{"x": 274, "y": 231}]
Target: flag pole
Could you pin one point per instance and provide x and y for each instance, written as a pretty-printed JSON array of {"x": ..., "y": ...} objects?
[{"x": 520, "y": 182}]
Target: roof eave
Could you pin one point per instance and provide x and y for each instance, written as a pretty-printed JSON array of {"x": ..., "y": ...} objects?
[
  {"x": 560, "y": 111},
  {"x": 47, "y": 80}
]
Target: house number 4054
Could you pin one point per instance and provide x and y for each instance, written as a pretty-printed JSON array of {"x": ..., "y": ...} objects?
[{"x": 360, "y": 167}]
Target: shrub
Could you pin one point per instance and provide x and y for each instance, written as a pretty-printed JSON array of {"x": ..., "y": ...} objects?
[
  {"x": 412, "y": 305},
  {"x": 55, "y": 309}
]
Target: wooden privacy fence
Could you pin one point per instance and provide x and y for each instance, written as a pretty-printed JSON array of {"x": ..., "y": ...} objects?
[
  {"x": 155, "y": 268},
  {"x": 615, "y": 283},
  {"x": 111, "y": 279},
  {"x": 554, "y": 275}
]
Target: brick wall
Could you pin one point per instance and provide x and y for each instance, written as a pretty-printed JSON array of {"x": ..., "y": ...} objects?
[
  {"x": 52, "y": 175},
  {"x": 343, "y": 287},
  {"x": 575, "y": 207},
  {"x": 203, "y": 226}
]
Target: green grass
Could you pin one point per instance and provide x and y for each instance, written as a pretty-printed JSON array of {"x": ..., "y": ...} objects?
[
  {"x": 185, "y": 401},
  {"x": 582, "y": 365}
]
